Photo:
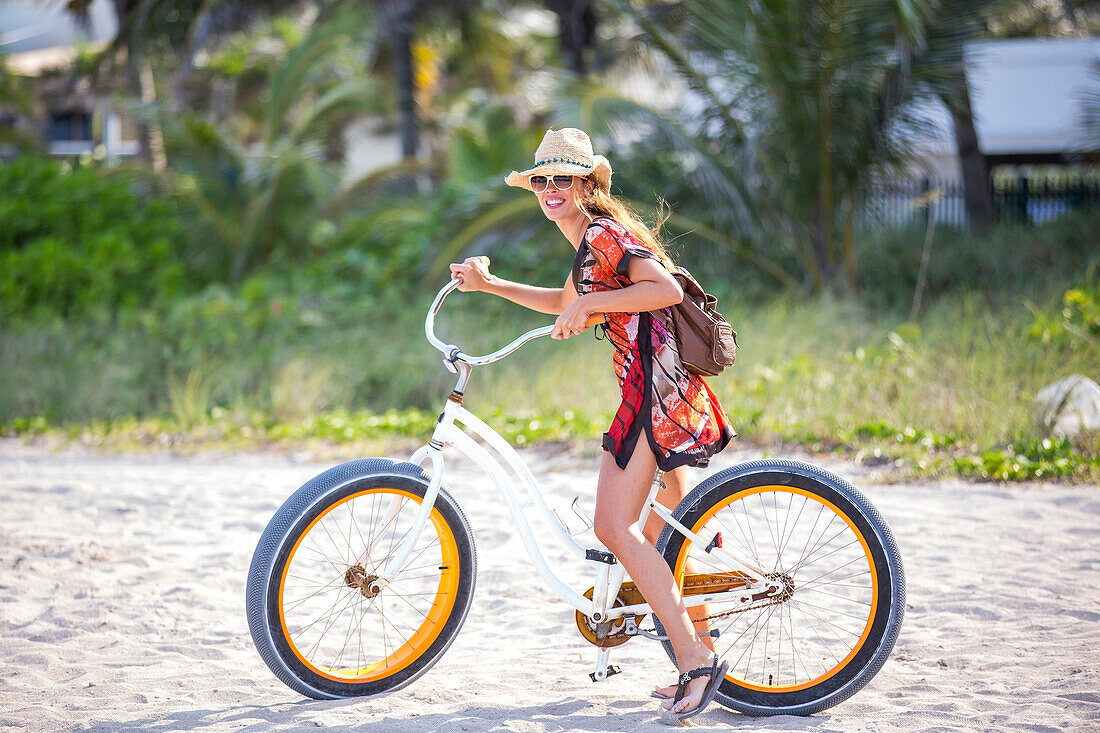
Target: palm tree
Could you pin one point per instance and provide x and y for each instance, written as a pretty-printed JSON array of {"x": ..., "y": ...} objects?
[
  {"x": 17, "y": 111},
  {"x": 398, "y": 18},
  {"x": 402, "y": 27},
  {"x": 173, "y": 31},
  {"x": 576, "y": 32},
  {"x": 254, "y": 202},
  {"x": 802, "y": 103}
]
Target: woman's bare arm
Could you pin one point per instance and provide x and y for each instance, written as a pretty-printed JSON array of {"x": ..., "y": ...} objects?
[
  {"x": 652, "y": 288},
  {"x": 475, "y": 275}
]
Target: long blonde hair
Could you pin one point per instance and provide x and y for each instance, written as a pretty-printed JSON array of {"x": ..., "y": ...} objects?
[{"x": 599, "y": 202}]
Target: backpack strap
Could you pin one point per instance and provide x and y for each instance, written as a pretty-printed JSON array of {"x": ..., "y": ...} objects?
[{"x": 621, "y": 268}]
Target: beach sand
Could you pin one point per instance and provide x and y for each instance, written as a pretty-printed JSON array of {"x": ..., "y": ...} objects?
[{"x": 122, "y": 608}]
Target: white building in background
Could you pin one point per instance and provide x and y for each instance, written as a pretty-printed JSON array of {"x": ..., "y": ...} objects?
[
  {"x": 26, "y": 25},
  {"x": 1029, "y": 100},
  {"x": 37, "y": 38}
]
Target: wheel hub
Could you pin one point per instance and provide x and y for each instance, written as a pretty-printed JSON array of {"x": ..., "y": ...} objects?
[
  {"x": 357, "y": 578},
  {"x": 786, "y": 587}
]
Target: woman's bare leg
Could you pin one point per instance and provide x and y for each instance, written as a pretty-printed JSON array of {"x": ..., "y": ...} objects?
[
  {"x": 671, "y": 495},
  {"x": 619, "y": 499}
]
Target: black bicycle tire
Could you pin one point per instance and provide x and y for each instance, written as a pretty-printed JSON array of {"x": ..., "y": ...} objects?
[
  {"x": 297, "y": 511},
  {"x": 783, "y": 471}
]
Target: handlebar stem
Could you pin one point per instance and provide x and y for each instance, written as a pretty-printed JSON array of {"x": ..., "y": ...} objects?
[{"x": 464, "y": 372}]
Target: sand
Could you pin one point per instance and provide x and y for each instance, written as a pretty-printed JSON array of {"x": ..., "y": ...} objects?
[{"x": 122, "y": 608}]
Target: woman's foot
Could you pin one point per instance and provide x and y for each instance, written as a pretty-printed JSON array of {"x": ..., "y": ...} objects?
[
  {"x": 701, "y": 679},
  {"x": 664, "y": 693}
]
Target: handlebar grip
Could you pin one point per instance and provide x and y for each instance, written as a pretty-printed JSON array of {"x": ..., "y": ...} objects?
[{"x": 484, "y": 259}]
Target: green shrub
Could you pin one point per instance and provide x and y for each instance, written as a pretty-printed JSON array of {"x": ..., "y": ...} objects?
[
  {"x": 1007, "y": 263},
  {"x": 74, "y": 243},
  {"x": 1078, "y": 319},
  {"x": 1045, "y": 458}
]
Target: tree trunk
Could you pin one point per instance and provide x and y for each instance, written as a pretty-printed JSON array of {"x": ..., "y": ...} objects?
[
  {"x": 576, "y": 31},
  {"x": 977, "y": 194},
  {"x": 820, "y": 232},
  {"x": 183, "y": 93},
  {"x": 399, "y": 18},
  {"x": 139, "y": 79}
]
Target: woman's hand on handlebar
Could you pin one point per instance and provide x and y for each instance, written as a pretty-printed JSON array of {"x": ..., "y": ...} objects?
[
  {"x": 576, "y": 318},
  {"x": 473, "y": 273}
]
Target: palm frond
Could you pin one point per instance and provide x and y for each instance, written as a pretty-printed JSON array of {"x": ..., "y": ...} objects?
[
  {"x": 290, "y": 79},
  {"x": 508, "y": 211}
]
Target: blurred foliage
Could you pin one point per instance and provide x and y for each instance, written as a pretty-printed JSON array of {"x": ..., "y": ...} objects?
[
  {"x": 1045, "y": 458},
  {"x": 1078, "y": 319},
  {"x": 1011, "y": 263},
  {"x": 74, "y": 244},
  {"x": 17, "y": 111},
  {"x": 253, "y": 292},
  {"x": 255, "y": 204},
  {"x": 799, "y": 106},
  {"x": 1047, "y": 18}
]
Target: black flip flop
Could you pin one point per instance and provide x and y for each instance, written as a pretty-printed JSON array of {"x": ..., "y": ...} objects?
[{"x": 716, "y": 672}]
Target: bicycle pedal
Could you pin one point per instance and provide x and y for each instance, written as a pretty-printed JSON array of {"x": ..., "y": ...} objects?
[
  {"x": 600, "y": 556},
  {"x": 610, "y": 671}
]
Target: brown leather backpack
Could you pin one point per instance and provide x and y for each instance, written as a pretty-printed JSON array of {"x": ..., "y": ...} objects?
[{"x": 706, "y": 341}]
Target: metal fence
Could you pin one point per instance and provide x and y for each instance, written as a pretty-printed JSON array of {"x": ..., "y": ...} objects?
[
  {"x": 1035, "y": 199},
  {"x": 900, "y": 202},
  {"x": 1020, "y": 199}
]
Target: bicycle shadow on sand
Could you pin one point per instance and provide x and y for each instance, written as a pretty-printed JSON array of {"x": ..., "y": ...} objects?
[{"x": 568, "y": 714}]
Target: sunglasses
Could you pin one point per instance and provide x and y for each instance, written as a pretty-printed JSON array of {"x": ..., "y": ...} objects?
[{"x": 562, "y": 183}]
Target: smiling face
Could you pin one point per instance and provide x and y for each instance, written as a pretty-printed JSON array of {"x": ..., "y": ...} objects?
[{"x": 558, "y": 205}]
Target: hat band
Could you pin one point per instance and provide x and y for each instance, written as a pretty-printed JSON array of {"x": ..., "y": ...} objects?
[{"x": 561, "y": 160}]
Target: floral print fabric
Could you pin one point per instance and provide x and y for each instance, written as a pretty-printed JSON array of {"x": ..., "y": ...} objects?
[{"x": 682, "y": 420}]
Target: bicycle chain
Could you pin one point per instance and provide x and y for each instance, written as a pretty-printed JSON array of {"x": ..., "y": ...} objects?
[{"x": 788, "y": 591}]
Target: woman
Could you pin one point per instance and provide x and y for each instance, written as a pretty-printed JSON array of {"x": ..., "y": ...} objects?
[{"x": 621, "y": 274}]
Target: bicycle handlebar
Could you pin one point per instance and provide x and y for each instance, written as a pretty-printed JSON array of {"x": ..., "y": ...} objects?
[{"x": 452, "y": 352}]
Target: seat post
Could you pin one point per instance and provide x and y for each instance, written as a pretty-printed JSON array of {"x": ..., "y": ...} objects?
[{"x": 658, "y": 484}]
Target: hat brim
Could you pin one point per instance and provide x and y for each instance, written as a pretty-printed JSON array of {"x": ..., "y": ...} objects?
[{"x": 600, "y": 171}]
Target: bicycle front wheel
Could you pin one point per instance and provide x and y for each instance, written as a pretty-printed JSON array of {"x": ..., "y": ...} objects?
[
  {"x": 841, "y": 598},
  {"x": 316, "y": 616}
]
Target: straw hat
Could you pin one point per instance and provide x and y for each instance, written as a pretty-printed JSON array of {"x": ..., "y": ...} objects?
[{"x": 565, "y": 152}]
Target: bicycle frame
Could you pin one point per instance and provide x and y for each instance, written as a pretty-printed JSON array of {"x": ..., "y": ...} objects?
[{"x": 511, "y": 475}]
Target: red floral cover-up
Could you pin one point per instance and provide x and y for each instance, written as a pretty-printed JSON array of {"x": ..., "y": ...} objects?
[{"x": 681, "y": 417}]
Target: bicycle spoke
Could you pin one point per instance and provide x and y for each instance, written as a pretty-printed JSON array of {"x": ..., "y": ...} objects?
[
  {"x": 771, "y": 534},
  {"x": 839, "y": 567},
  {"x": 827, "y": 554},
  {"x": 793, "y": 524},
  {"x": 808, "y": 552},
  {"x": 817, "y": 632},
  {"x": 843, "y": 598},
  {"x": 804, "y": 602},
  {"x": 788, "y": 642},
  {"x": 347, "y": 636},
  {"x": 332, "y": 616},
  {"x": 809, "y": 536},
  {"x": 331, "y": 585}
]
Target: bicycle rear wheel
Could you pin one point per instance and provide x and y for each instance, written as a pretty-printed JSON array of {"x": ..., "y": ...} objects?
[
  {"x": 314, "y": 616},
  {"x": 832, "y": 626}
]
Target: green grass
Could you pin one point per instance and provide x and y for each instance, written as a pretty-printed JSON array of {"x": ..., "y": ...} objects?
[
  {"x": 322, "y": 353},
  {"x": 948, "y": 394}
]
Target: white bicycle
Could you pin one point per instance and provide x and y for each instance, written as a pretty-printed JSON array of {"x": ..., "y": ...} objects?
[{"x": 364, "y": 576}]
